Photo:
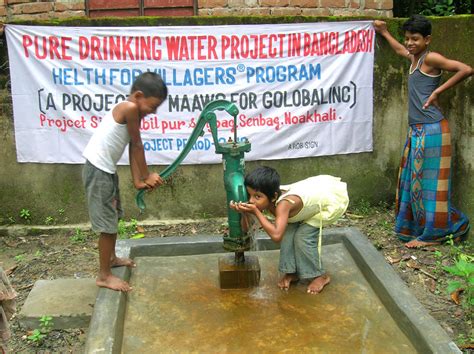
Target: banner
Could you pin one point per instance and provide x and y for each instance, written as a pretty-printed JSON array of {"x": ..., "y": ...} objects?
[{"x": 301, "y": 89}]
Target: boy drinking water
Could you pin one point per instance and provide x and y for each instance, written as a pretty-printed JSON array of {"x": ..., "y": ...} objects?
[
  {"x": 424, "y": 214},
  {"x": 300, "y": 210},
  {"x": 119, "y": 128}
]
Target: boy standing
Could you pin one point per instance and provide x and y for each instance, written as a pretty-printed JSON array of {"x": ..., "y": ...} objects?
[
  {"x": 424, "y": 214},
  {"x": 300, "y": 210},
  {"x": 119, "y": 127}
]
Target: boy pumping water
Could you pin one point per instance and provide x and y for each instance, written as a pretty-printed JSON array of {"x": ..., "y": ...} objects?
[{"x": 119, "y": 128}]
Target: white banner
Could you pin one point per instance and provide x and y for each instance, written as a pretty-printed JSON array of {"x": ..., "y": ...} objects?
[{"x": 302, "y": 89}]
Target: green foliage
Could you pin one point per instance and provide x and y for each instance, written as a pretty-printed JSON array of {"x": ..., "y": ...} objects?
[
  {"x": 25, "y": 214},
  {"x": 464, "y": 7},
  {"x": 128, "y": 229},
  {"x": 36, "y": 337},
  {"x": 49, "y": 220},
  {"x": 39, "y": 334},
  {"x": 406, "y": 8},
  {"x": 439, "y": 260},
  {"x": 206, "y": 216},
  {"x": 463, "y": 270},
  {"x": 46, "y": 323},
  {"x": 385, "y": 225},
  {"x": 457, "y": 251},
  {"x": 462, "y": 339},
  {"x": 438, "y": 8},
  {"x": 362, "y": 207},
  {"x": 79, "y": 236},
  {"x": 19, "y": 258},
  {"x": 61, "y": 216}
]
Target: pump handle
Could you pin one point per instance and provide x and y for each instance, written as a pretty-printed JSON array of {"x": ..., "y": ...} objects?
[{"x": 207, "y": 116}]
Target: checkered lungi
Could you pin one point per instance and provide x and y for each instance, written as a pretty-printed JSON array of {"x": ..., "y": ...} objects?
[{"x": 423, "y": 200}]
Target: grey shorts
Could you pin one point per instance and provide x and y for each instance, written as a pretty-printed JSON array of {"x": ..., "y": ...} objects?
[
  {"x": 103, "y": 198},
  {"x": 299, "y": 251}
]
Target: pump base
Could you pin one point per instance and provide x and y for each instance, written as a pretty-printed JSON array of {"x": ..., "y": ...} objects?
[{"x": 238, "y": 275}]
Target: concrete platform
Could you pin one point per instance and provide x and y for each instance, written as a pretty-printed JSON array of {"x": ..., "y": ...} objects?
[
  {"x": 69, "y": 301},
  {"x": 347, "y": 317},
  {"x": 109, "y": 331}
]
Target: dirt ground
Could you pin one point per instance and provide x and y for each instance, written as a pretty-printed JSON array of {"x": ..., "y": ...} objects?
[{"x": 74, "y": 253}]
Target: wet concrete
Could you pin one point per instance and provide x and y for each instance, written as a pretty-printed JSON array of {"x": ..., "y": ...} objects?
[{"x": 177, "y": 306}]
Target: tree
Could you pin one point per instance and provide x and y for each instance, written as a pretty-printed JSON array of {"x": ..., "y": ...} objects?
[{"x": 406, "y": 8}]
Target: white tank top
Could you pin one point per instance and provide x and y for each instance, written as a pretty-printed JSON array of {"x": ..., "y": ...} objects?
[{"x": 107, "y": 144}]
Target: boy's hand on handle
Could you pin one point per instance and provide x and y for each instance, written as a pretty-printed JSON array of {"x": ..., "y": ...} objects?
[{"x": 152, "y": 181}]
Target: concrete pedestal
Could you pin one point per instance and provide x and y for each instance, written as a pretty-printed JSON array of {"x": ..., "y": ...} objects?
[{"x": 238, "y": 275}]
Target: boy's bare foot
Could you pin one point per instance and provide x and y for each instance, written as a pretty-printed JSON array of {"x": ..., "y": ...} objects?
[
  {"x": 318, "y": 284},
  {"x": 286, "y": 280},
  {"x": 113, "y": 282},
  {"x": 420, "y": 244},
  {"x": 120, "y": 262}
]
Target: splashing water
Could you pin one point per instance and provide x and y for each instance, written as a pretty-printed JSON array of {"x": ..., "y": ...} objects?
[{"x": 253, "y": 231}]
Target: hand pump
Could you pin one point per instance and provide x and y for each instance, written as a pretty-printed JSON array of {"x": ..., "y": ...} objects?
[{"x": 232, "y": 152}]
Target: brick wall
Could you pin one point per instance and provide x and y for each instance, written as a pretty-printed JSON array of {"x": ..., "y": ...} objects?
[
  {"x": 40, "y": 10},
  {"x": 53, "y": 9},
  {"x": 296, "y": 7},
  {"x": 124, "y": 8}
]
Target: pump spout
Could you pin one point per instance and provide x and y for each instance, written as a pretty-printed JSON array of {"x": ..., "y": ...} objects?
[{"x": 239, "y": 258}]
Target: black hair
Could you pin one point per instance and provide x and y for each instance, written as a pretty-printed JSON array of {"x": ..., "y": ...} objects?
[
  {"x": 265, "y": 180},
  {"x": 418, "y": 24},
  {"x": 151, "y": 84}
]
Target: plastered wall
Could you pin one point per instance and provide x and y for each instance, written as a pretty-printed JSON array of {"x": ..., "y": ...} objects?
[{"x": 55, "y": 190}]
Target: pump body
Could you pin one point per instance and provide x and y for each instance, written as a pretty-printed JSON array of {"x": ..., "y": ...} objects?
[{"x": 232, "y": 153}]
